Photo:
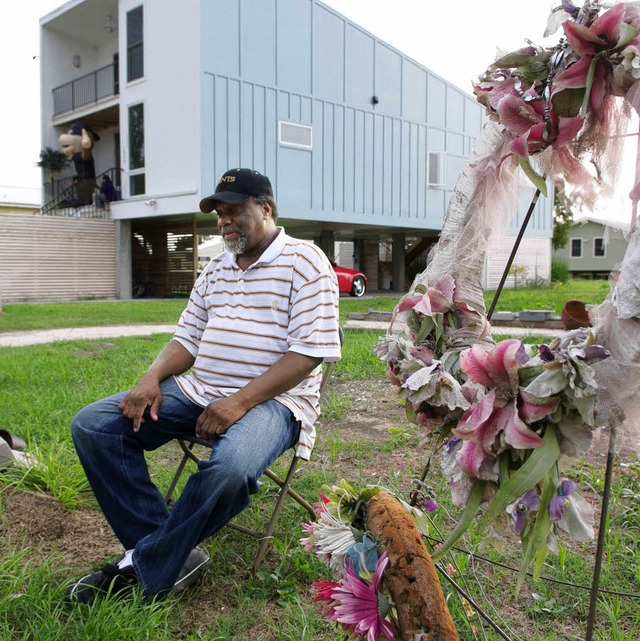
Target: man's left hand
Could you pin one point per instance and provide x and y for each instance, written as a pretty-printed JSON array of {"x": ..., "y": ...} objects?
[{"x": 219, "y": 416}]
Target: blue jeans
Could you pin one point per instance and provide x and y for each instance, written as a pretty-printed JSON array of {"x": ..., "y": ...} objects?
[{"x": 112, "y": 456}]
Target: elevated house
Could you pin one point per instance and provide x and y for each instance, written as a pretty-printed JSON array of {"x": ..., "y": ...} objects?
[
  {"x": 595, "y": 248},
  {"x": 363, "y": 144}
]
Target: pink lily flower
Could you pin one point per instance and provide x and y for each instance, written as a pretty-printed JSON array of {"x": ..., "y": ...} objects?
[
  {"x": 605, "y": 34},
  {"x": 438, "y": 298},
  {"x": 504, "y": 414}
]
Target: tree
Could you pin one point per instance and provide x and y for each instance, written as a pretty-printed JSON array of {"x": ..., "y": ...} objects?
[
  {"x": 53, "y": 160},
  {"x": 562, "y": 219}
]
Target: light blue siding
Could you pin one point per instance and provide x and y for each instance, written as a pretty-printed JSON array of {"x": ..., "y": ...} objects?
[
  {"x": 299, "y": 61},
  {"x": 414, "y": 92},
  {"x": 294, "y": 71},
  {"x": 258, "y": 41},
  {"x": 328, "y": 55},
  {"x": 388, "y": 79}
]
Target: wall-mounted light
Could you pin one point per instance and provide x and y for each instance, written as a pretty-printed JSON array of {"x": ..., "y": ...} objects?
[
  {"x": 151, "y": 202},
  {"x": 375, "y": 100},
  {"x": 77, "y": 62}
]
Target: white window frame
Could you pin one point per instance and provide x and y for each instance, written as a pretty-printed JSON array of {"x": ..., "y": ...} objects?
[
  {"x": 604, "y": 247},
  {"x": 441, "y": 168},
  {"x": 287, "y": 143},
  {"x": 571, "y": 255}
]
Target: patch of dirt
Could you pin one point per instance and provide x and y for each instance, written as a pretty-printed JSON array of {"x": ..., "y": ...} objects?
[
  {"x": 374, "y": 409},
  {"x": 41, "y": 523}
]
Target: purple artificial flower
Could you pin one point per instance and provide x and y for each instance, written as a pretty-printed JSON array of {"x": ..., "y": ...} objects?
[
  {"x": 430, "y": 506},
  {"x": 528, "y": 503},
  {"x": 559, "y": 501}
]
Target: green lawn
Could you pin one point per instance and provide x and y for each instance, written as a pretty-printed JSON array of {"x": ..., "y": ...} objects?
[
  {"x": 41, "y": 388},
  {"x": 23, "y": 316}
]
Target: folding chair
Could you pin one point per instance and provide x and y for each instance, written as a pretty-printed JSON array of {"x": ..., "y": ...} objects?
[{"x": 264, "y": 536}]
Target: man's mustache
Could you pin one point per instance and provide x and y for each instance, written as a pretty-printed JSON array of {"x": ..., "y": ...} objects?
[{"x": 228, "y": 229}]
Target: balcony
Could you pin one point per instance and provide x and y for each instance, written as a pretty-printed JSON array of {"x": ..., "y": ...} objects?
[{"x": 87, "y": 90}]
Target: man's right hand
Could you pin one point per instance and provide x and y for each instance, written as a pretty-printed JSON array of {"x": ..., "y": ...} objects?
[{"x": 145, "y": 394}]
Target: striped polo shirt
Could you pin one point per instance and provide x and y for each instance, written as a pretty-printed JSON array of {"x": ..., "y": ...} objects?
[{"x": 238, "y": 323}]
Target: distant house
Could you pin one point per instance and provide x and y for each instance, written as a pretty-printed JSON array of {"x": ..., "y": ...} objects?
[
  {"x": 595, "y": 247},
  {"x": 19, "y": 199}
]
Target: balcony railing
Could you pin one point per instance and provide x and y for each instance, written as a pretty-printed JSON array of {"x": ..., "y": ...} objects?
[{"x": 86, "y": 90}]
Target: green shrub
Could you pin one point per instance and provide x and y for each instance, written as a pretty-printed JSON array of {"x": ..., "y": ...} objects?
[{"x": 559, "y": 271}]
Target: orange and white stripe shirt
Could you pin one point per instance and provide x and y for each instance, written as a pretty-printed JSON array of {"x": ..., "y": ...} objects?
[{"x": 239, "y": 323}]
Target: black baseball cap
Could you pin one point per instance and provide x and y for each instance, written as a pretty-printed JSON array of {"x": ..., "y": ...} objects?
[{"x": 236, "y": 186}]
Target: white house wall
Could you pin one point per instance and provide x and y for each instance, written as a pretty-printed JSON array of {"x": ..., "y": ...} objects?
[{"x": 170, "y": 93}]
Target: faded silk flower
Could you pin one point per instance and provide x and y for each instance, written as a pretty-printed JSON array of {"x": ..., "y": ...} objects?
[
  {"x": 571, "y": 512},
  {"x": 503, "y": 416},
  {"x": 329, "y": 538},
  {"x": 520, "y": 509},
  {"x": 557, "y": 504}
]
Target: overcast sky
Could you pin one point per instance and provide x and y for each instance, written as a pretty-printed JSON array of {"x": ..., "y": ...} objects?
[{"x": 457, "y": 39}]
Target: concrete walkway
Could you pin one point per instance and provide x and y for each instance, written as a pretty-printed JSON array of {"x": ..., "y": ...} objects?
[
  {"x": 516, "y": 332},
  {"x": 41, "y": 336}
]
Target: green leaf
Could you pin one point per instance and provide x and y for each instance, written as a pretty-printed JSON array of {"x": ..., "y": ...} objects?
[
  {"x": 426, "y": 327},
  {"x": 412, "y": 415},
  {"x": 533, "y": 470},
  {"x": 368, "y": 493},
  {"x": 568, "y": 102},
  {"x": 627, "y": 34},
  {"x": 588, "y": 86},
  {"x": 533, "y": 70},
  {"x": 473, "y": 503},
  {"x": 515, "y": 59},
  {"x": 533, "y": 175},
  {"x": 503, "y": 467},
  {"x": 535, "y": 543},
  {"x": 421, "y": 288}
]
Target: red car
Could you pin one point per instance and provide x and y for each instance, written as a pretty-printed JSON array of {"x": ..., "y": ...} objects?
[{"x": 350, "y": 281}]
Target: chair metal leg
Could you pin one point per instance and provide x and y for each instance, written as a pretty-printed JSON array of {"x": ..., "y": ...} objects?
[
  {"x": 176, "y": 478},
  {"x": 284, "y": 491},
  {"x": 298, "y": 498}
]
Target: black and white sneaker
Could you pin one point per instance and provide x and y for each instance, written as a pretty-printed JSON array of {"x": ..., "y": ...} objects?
[
  {"x": 113, "y": 578},
  {"x": 192, "y": 570}
]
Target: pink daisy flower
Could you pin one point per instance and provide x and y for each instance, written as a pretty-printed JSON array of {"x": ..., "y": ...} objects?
[{"x": 360, "y": 607}]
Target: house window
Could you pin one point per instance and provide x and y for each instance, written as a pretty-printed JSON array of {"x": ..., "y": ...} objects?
[
  {"x": 576, "y": 248},
  {"x": 295, "y": 135},
  {"x": 136, "y": 150},
  {"x": 135, "y": 52},
  {"x": 599, "y": 247},
  {"x": 435, "y": 171}
]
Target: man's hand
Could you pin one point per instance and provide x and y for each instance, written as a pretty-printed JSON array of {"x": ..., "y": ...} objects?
[
  {"x": 219, "y": 416},
  {"x": 145, "y": 394}
]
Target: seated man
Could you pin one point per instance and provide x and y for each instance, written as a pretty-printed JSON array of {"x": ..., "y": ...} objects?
[{"x": 241, "y": 372}]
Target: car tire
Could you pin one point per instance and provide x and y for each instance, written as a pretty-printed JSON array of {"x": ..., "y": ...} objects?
[{"x": 358, "y": 287}]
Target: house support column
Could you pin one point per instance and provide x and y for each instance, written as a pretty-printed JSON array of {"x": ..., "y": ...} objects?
[
  {"x": 398, "y": 258},
  {"x": 124, "y": 283},
  {"x": 328, "y": 242},
  {"x": 370, "y": 262}
]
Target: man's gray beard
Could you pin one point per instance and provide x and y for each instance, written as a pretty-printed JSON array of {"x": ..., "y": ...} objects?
[{"x": 236, "y": 246}]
